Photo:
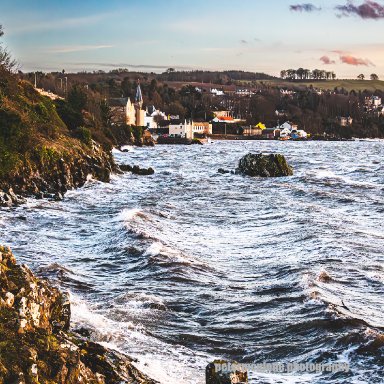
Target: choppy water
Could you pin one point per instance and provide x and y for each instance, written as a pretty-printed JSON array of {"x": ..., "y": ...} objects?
[{"x": 189, "y": 265}]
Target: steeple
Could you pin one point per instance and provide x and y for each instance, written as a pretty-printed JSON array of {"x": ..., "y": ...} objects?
[{"x": 139, "y": 96}]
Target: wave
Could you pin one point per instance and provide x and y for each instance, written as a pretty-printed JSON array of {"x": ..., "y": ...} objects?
[{"x": 171, "y": 364}]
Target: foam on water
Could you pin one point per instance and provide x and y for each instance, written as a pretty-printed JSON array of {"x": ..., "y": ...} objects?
[{"x": 189, "y": 266}]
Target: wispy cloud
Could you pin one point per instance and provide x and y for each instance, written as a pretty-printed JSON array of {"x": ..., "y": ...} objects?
[
  {"x": 127, "y": 65},
  {"x": 367, "y": 10},
  {"x": 57, "y": 24},
  {"x": 307, "y": 7},
  {"x": 352, "y": 60},
  {"x": 77, "y": 48},
  {"x": 326, "y": 60}
]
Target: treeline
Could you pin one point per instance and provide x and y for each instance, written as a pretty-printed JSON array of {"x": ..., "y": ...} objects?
[
  {"x": 216, "y": 77},
  {"x": 307, "y": 74}
]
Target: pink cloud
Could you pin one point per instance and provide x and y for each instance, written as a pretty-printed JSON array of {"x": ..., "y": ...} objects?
[
  {"x": 368, "y": 10},
  {"x": 327, "y": 60},
  {"x": 352, "y": 60}
]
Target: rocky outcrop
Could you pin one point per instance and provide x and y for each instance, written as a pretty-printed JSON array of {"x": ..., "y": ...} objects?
[
  {"x": 53, "y": 173},
  {"x": 35, "y": 343},
  {"x": 8, "y": 198},
  {"x": 258, "y": 164},
  {"x": 136, "y": 170}
]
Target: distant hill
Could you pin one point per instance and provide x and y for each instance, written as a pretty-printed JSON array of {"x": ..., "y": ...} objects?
[{"x": 217, "y": 77}]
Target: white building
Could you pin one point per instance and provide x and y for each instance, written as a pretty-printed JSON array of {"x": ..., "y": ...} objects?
[
  {"x": 184, "y": 130},
  {"x": 217, "y": 92},
  {"x": 152, "y": 116}
]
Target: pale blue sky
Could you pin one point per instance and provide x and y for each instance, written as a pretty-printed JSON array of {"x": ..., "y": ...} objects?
[{"x": 264, "y": 36}]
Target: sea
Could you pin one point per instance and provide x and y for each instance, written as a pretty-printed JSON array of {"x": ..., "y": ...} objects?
[{"x": 188, "y": 265}]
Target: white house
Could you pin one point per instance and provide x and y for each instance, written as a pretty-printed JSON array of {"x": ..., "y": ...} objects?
[
  {"x": 184, "y": 130},
  {"x": 217, "y": 92},
  {"x": 152, "y": 116}
]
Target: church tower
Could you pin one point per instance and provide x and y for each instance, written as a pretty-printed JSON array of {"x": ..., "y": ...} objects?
[{"x": 140, "y": 113}]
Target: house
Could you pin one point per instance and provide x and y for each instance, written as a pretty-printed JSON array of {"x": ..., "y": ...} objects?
[
  {"x": 224, "y": 119},
  {"x": 118, "y": 111},
  {"x": 244, "y": 92},
  {"x": 123, "y": 111},
  {"x": 252, "y": 131},
  {"x": 203, "y": 128},
  {"x": 217, "y": 92},
  {"x": 184, "y": 130},
  {"x": 153, "y": 116},
  {"x": 271, "y": 133}
]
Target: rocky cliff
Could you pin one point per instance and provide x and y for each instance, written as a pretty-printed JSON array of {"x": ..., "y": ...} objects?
[{"x": 36, "y": 344}]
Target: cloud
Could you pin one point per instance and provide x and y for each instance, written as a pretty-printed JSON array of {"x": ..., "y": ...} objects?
[
  {"x": 307, "y": 7},
  {"x": 327, "y": 60},
  {"x": 77, "y": 48},
  {"x": 135, "y": 66},
  {"x": 352, "y": 60},
  {"x": 368, "y": 10},
  {"x": 58, "y": 24}
]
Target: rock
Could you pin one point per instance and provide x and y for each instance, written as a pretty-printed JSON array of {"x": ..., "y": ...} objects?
[
  {"x": 8, "y": 198},
  {"x": 125, "y": 167},
  {"x": 273, "y": 165},
  {"x": 224, "y": 372},
  {"x": 36, "y": 346},
  {"x": 58, "y": 196},
  {"x": 223, "y": 171},
  {"x": 136, "y": 170}
]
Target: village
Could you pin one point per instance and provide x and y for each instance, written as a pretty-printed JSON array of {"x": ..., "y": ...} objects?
[{"x": 171, "y": 129}]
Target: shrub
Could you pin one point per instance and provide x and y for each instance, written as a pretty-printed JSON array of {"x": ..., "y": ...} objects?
[{"x": 84, "y": 135}]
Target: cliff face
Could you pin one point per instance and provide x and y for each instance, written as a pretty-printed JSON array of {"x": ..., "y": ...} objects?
[
  {"x": 35, "y": 344},
  {"x": 39, "y": 155}
]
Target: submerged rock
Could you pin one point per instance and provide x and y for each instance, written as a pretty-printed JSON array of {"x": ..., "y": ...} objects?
[
  {"x": 257, "y": 164},
  {"x": 36, "y": 346}
]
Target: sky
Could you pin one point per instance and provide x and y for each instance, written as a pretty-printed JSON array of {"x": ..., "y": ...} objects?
[{"x": 343, "y": 36}]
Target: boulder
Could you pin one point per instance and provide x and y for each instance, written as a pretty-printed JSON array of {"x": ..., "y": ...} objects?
[
  {"x": 136, "y": 170},
  {"x": 258, "y": 164}
]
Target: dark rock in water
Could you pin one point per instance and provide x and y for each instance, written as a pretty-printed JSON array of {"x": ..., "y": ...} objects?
[
  {"x": 58, "y": 196},
  {"x": 225, "y": 372},
  {"x": 8, "y": 198},
  {"x": 223, "y": 171},
  {"x": 137, "y": 170},
  {"x": 36, "y": 346},
  {"x": 257, "y": 164}
]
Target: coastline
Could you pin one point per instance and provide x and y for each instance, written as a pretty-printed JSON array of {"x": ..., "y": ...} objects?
[{"x": 37, "y": 342}]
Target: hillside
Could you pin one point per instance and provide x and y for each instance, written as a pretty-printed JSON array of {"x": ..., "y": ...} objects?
[{"x": 38, "y": 153}]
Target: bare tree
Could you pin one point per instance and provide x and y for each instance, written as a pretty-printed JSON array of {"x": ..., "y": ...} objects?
[{"x": 6, "y": 61}]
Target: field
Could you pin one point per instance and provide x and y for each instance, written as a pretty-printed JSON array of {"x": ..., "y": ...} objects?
[{"x": 349, "y": 85}]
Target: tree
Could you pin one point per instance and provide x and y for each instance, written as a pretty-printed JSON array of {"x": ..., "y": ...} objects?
[
  {"x": 6, "y": 62},
  {"x": 374, "y": 76},
  {"x": 77, "y": 98},
  {"x": 361, "y": 77}
]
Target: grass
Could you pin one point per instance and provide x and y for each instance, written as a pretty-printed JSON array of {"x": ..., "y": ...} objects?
[{"x": 348, "y": 84}]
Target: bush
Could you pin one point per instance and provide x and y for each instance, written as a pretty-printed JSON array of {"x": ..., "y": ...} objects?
[{"x": 84, "y": 135}]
